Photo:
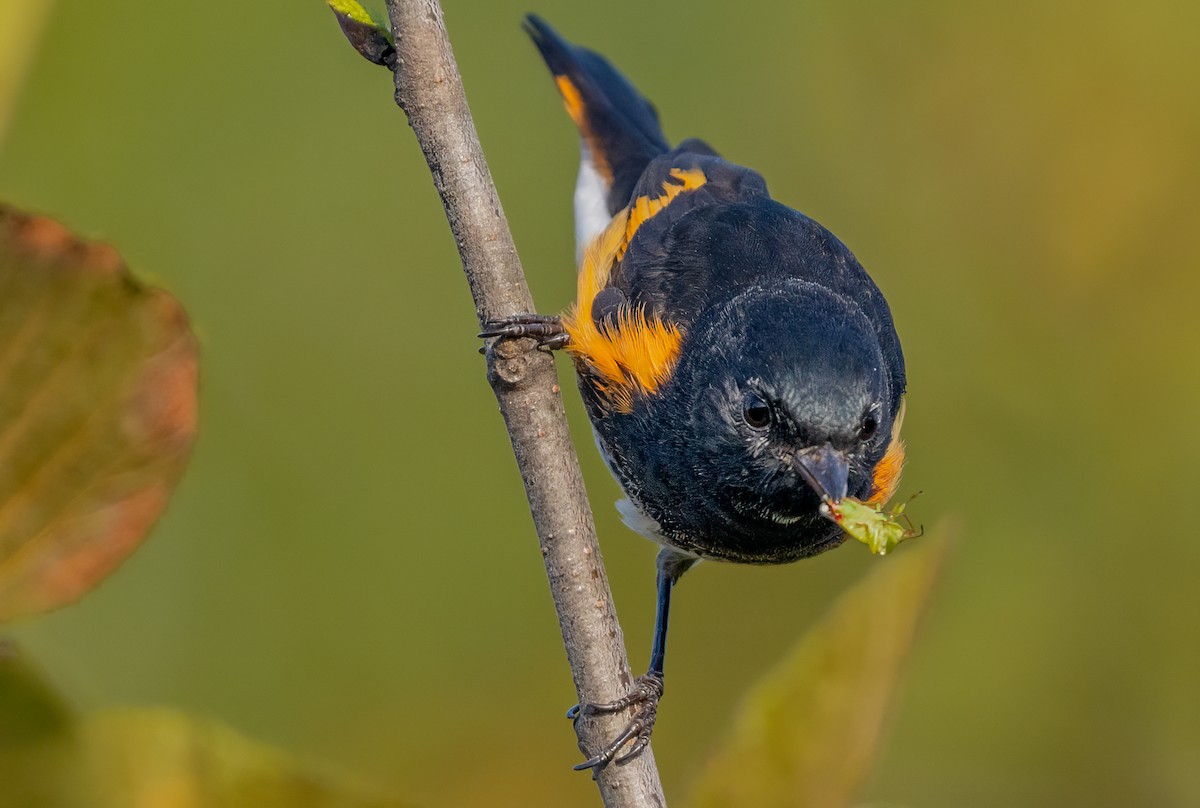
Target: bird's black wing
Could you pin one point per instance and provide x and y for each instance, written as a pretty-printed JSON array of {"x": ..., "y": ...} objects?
[{"x": 726, "y": 236}]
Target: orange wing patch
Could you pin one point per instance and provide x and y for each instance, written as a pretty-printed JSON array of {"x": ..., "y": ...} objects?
[
  {"x": 637, "y": 353},
  {"x": 573, "y": 101},
  {"x": 644, "y": 208},
  {"x": 886, "y": 478}
]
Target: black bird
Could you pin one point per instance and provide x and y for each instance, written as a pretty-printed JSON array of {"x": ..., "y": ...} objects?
[{"x": 739, "y": 366}]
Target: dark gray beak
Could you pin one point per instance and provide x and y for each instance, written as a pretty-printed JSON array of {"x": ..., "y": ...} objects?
[{"x": 827, "y": 470}]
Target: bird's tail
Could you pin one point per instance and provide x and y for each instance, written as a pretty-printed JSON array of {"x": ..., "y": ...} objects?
[{"x": 618, "y": 128}]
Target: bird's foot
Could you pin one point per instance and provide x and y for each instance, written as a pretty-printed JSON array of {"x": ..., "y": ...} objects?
[
  {"x": 644, "y": 696},
  {"x": 546, "y": 329}
]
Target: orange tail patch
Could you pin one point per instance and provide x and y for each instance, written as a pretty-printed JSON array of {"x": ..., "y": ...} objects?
[{"x": 573, "y": 101}]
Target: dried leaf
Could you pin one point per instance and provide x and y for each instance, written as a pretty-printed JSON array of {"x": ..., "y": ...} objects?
[
  {"x": 808, "y": 733},
  {"x": 97, "y": 411}
]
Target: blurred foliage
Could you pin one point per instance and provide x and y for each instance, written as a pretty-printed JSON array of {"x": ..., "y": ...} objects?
[
  {"x": 348, "y": 570},
  {"x": 807, "y": 734},
  {"x": 97, "y": 411},
  {"x": 51, "y": 759},
  {"x": 21, "y": 23}
]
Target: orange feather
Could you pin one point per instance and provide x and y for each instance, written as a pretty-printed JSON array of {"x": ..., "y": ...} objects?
[
  {"x": 573, "y": 101},
  {"x": 886, "y": 478},
  {"x": 637, "y": 353}
]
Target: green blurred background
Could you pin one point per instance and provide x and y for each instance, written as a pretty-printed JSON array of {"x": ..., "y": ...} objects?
[{"x": 349, "y": 571}]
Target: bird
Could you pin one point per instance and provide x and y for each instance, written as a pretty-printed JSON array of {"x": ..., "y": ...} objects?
[{"x": 741, "y": 371}]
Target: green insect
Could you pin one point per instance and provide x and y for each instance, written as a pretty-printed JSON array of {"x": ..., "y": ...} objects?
[{"x": 880, "y": 530}]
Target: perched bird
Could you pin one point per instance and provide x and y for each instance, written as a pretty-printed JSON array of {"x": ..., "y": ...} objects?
[{"x": 739, "y": 366}]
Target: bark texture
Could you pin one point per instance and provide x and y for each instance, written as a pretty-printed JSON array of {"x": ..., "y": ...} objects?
[{"x": 430, "y": 91}]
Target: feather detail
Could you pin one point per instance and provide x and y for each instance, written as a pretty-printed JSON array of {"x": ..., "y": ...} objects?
[
  {"x": 637, "y": 352},
  {"x": 886, "y": 477}
]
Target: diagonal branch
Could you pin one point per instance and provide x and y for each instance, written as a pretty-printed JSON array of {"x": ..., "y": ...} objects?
[{"x": 430, "y": 91}]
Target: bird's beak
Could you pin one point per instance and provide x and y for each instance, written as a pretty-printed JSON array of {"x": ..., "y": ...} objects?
[{"x": 827, "y": 470}]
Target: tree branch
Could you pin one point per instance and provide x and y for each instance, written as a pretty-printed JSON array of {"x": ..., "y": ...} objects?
[{"x": 429, "y": 90}]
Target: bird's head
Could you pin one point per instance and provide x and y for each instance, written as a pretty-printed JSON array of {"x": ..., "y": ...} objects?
[{"x": 786, "y": 402}]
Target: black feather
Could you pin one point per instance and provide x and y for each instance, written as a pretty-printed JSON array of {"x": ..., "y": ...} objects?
[{"x": 624, "y": 123}]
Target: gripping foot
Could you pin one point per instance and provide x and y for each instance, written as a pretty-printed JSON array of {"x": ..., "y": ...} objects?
[
  {"x": 644, "y": 696},
  {"x": 546, "y": 329}
]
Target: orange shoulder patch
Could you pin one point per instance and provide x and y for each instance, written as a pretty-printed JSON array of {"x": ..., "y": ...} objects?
[
  {"x": 638, "y": 352},
  {"x": 886, "y": 477}
]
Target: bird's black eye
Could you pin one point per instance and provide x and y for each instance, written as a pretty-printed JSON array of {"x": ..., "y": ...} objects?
[
  {"x": 867, "y": 430},
  {"x": 756, "y": 412}
]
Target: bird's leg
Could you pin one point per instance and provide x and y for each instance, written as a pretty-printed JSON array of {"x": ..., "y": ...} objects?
[
  {"x": 648, "y": 689},
  {"x": 547, "y": 329}
]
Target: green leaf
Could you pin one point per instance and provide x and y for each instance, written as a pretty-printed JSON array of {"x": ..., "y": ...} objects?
[
  {"x": 370, "y": 38},
  {"x": 37, "y": 737},
  {"x": 49, "y": 758},
  {"x": 30, "y": 710},
  {"x": 880, "y": 530},
  {"x": 807, "y": 734},
  {"x": 97, "y": 411}
]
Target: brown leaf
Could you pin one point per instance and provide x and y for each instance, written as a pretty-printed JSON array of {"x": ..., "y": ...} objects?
[
  {"x": 97, "y": 411},
  {"x": 808, "y": 733}
]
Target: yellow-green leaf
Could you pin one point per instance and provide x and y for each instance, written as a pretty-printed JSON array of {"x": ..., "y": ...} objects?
[
  {"x": 807, "y": 734},
  {"x": 351, "y": 10},
  {"x": 880, "y": 530},
  {"x": 162, "y": 757},
  {"x": 370, "y": 38},
  {"x": 97, "y": 411},
  {"x": 51, "y": 758}
]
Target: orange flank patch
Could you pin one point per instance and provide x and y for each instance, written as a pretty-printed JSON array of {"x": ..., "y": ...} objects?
[
  {"x": 886, "y": 478},
  {"x": 573, "y": 101},
  {"x": 637, "y": 353}
]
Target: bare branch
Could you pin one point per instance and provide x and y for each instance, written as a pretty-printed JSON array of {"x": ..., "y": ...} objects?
[{"x": 429, "y": 90}]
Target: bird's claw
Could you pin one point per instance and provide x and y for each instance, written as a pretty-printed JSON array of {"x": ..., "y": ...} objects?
[
  {"x": 645, "y": 695},
  {"x": 546, "y": 329}
]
